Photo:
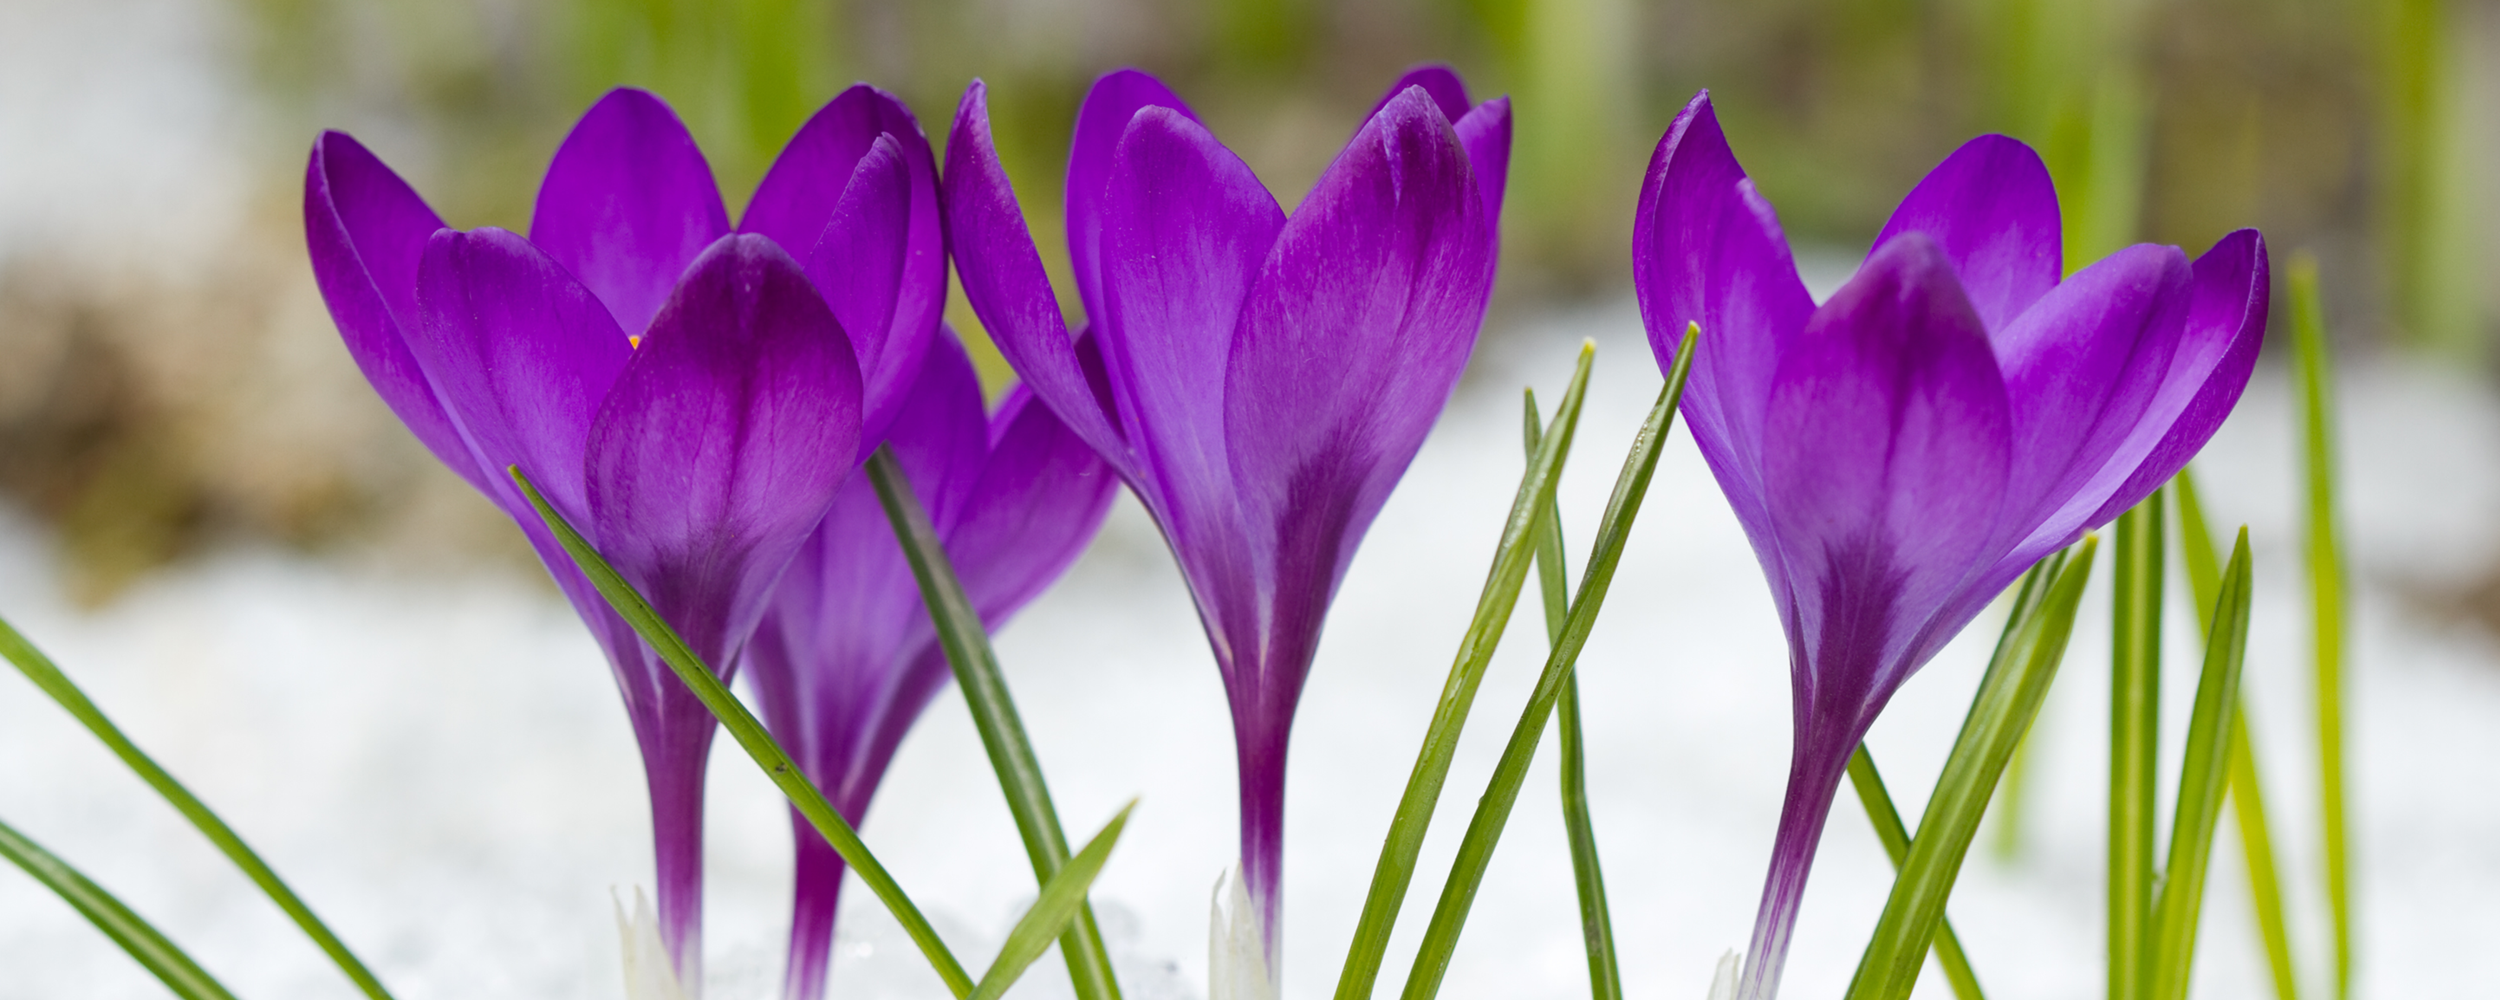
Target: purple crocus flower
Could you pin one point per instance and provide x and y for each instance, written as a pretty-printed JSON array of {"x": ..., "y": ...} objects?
[
  {"x": 1955, "y": 412},
  {"x": 689, "y": 396},
  {"x": 847, "y": 657},
  {"x": 1260, "y": 382}
]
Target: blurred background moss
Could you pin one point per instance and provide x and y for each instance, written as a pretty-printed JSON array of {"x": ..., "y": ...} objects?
[{"x": 2354, "y": 129}]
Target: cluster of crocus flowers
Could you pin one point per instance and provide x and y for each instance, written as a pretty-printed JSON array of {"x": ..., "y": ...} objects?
[
  {"x": 847, "y": 656},
  {"x": 691, "y": 396},
  {"x": 697, "y": 399},
  {"x": 1259, "y": 381},
  {"x": 1901, "y": 452}
]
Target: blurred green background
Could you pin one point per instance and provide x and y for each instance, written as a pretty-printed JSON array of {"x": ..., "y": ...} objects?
[{"x": 2353, "y": 129}]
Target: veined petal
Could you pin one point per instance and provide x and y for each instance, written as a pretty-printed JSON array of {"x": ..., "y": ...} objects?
[
  {"x": 1100, "y": 123},
  {"x": 522, "y": 354},
  {"x": 724, "y": 441},
  {"x": 858, "y": 265},
  {"x": 1887, "y": 440},
  {"x": 1185, "y": 226},
  {"x": 1003, "y": 279},
  {"x": 796, "y": 205},
  {"x": 1040, "y": 498},
  {"x": 366, "y": 230},
  {"x": 628, "y": 204},
  {"x": 2080, "y": 366},
  {"x": 1362, "y": 319},
  {"x": 1992, "y": 211},
  {"x": 1707, "y": 249}
]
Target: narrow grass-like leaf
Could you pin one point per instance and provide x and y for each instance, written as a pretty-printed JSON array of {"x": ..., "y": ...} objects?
[
  {"x": 744, "y": 727},
  {"x": 977, "y": 674},
  {"x": 2009, "y": 698},
  {"x": 1597, "y": 931},
  {"x": 2248, "y": 802},
  {"x": 1484, "y": 831},
  {"x": 1407, "y": 826},
  {"x": 1062, "y": 899},
  {"x": 149, "y": 947},
  {"x": 2134, "y": 743},
  {"x": 2326, "y": 595},
  {"x": 2203, "y": 776},
  {"x": 48, "y": 676},
  {"x": 2008, "y": 805},
  {"x": 1869, "y": 784}
]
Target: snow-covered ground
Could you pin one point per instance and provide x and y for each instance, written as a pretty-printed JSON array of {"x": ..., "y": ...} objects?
[{"x": 440, "y": 765}]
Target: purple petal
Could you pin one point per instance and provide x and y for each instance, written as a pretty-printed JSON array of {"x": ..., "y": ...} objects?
[
  {"x": 2080, "y": 366},
  {"x": 2226, "y": 326},
  {"x": 1449, "y": 93},
  {"x": 1100, "y": 122},
  {"x": 1486, "y": 134},
  {"x": 796, "y": 206},
  {"x": 522, "y": 354},
  {"x": 942, "y": 439},
  {"x": 366, "y": 230},
  {"x": 1887, "y": 440},
  {"x": 1992, "y": 211},
  {"x": 724, "y": 442},
  {"x": 627, "y": 204},
  {"x": 1484, "y": 129},
  {"x": 1708, "y": 250},
  {"x": 1003, "y": 280},
  {"x": 1362, "y": 319},
  {"x": 1039, "y": 500},
  {"x": 859, "y": 267},
  {"x": 1185, "y": 228}
]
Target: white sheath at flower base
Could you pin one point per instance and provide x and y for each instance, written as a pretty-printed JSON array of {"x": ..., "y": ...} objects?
[
  {"x": 1723, "y": 985},
  {"x": 1236, "y": 955},
  {"x": 649, "y": 975}
]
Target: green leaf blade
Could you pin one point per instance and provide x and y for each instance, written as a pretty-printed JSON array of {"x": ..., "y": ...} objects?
[
  {"x": 2203, "y": 778},
  {"x": 1062, "y": 900},
  {"x": 2248, "y": 803},
  {"x": 984, "y": 686},
  {"x": 2008, "y": 699},
  {"x": 1869, "y": 784},
  {"x": 1511, "y": 558},
  {"x": 1597, "y": 932},
  {"x": 2325, "y": 560},
  {"x": 2135, "y": 744},
  {"x": 1484, "y": 830},
  {"x": 144, "y": 943},
  {"x": 55, "y": 683}
]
